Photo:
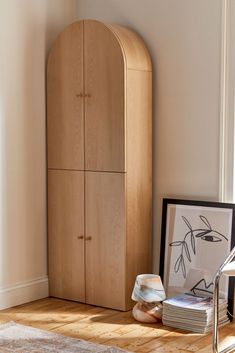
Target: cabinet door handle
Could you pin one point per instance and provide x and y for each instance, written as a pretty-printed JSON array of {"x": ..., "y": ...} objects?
[
  {"x": 88, "y": 238},
  {"x": 87, "y": 95},
  {"x": 80, "y": 236},
  {"x": 79, "y": 95}
]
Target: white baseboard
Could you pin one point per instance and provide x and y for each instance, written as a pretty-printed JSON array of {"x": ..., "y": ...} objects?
[{"x": 23, "y": 292}]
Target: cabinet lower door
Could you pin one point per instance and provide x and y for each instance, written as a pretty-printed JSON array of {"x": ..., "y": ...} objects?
[
  {"x": 105, "y": 239},
  {"x": 66, "y": 234}
]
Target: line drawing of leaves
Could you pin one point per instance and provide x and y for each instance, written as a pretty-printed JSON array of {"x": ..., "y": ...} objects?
[
  {"x": 185, "y": 246},
  {"x": 193, "y": 244},
  {"x": 177, "y": 264},
  {"x": 201, "y": 233},
  {"x": 176, "y": 243},
  {"x": 183, "y": 267},
  {"x": 205, "y": 221},
  {"x": 187, "y": 222}
]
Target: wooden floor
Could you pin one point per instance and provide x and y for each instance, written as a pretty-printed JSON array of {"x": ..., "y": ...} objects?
[{"x": 110, "y": 327}]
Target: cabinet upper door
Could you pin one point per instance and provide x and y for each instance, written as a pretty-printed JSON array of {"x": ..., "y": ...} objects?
[
  {"x": 104, "y": 99},
  {"x": 65, "y": 121}
]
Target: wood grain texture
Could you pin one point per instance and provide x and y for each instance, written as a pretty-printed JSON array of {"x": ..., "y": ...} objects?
[
  {"x": 134, "y": 49},
  {"x": 105, "y": 108},
  {"x": 105, "y": 252},
  {"x": 65, "y": 229},
  {"x": 64, "y": 105},
  {"x": 111, "y": 327},
  {"x": 139, "y": 175}
]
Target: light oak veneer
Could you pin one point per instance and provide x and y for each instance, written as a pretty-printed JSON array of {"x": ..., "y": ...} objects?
[
  {"x": 66, "y": 234},
  {"x": 65, "y": 121}
]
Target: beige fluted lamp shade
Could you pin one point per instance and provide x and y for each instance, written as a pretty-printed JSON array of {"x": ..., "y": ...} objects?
[
  {"x": 148, "y": 292},
  {"x": 148, "y": 288}
]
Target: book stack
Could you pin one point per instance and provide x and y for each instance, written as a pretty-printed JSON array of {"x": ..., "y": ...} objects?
[{"x": 192, "y": 313}]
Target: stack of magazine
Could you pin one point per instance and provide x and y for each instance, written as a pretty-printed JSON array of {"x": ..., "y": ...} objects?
[{"x": 192, "y": 313}]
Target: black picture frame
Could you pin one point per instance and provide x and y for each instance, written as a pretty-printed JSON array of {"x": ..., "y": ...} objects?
[{"x": 187, "y": 245}]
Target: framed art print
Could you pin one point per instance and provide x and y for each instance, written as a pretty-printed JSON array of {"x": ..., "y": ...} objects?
[{"x": 196, "y": 238}]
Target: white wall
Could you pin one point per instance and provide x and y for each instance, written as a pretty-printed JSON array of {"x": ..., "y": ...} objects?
[
  {"x": 27, "y": 29},
  {"x": 228, "y": 108},
  {"x": 184, "y": 39}
]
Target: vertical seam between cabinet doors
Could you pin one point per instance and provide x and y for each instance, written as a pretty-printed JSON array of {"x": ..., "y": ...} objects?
[
  {"x": 84, "y": 155},
  {"x": 126, "y": 176},
  {"x": 112, "y": 28},
  {"x": 47, "y": 172}
]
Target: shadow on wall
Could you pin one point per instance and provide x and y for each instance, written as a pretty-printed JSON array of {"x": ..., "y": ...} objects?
[
  {"x": 29, "y": 28},
  {"x": 57, "y": 18}
]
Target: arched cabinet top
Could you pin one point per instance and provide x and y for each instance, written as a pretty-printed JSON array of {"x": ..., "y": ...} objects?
[
  {"x": 133, "y": 47},
  {"x": 134, "y": 52}
]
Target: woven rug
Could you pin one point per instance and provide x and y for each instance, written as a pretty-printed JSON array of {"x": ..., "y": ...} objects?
[{"x": 16, "y": 338}]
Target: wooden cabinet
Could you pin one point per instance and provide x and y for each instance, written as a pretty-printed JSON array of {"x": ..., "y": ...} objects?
[{"x": 99, "y": 84}]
